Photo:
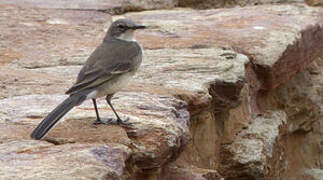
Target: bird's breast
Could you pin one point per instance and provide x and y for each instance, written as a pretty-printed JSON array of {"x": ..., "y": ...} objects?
[{"x": 112, "y": 86}]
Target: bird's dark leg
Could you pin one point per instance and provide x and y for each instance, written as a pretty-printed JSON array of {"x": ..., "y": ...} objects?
[
  {"x": 119, "y": 120},
  {"x": 98, "y": 119}
]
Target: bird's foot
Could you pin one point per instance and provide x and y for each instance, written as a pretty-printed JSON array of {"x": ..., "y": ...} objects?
[
  {"x": 119, "y": 121},
  {"x": 113, "y": 121},
  {"x": 99, "y": 121},
  {"x": 124, "y": 122}
]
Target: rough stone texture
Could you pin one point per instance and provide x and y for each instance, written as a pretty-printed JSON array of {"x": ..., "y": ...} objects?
[
  {"x": 315, "y": 174},
  {"x": 43, "y": 41},
  {"x": 228, "y": 79},
  {"x": 205, "y": 4},
  {"x": 65, "y": 4},
  {"x": 279, "y": 44},
  {"x": 177, "y": 173},
  {"x": 110, "y": 6},
  {"x": 123, "y": 6},
  {"x": 159, "y": 131},
  {"x": 241, "y": 29},
  {"x": 299, "y": 147},
  {"x": 29, "y": 159},
  {"x": 255, "y": 143},
  {"x": 314, "y": 2}
]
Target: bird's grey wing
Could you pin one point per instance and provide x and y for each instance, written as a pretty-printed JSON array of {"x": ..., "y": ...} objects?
[
  {"x": 98, "y": 71},
  {"x": 98, "y": 76},
  {"x": 89, "y": 67},
  {"x": 94, "y": 78}
]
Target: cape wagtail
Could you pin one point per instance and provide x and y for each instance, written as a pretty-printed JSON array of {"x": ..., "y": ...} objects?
[{"x": 106, "y": 71}]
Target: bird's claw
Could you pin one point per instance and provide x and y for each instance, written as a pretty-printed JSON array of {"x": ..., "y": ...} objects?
[
  {"x": 124, "y": 121},
  {"x": 113, "y": 121},
  {"x": 99, "y": 121}
]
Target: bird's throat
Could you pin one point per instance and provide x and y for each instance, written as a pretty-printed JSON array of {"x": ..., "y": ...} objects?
[{"x": 127, "y": 36}]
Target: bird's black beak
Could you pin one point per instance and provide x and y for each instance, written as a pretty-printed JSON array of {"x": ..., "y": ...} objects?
[{"x": 138, "y": 27}]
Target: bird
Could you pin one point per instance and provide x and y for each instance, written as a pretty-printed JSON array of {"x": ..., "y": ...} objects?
[{"x": 107, "y": 70}]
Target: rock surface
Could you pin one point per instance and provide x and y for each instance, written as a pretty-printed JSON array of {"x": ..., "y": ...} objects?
[
  {"x": 255, "y": 143},
  {"x": 176, "y": 173},
  {"x": 315, "y": 174},
  {"x": 241, "y": 28},
  {"x": 110, "y": 6},
  {"x": 220, "y": 94},
  {"x": 314, "y": 2},
  {"x": 205, "y": 4},
  {"x": 122, "y": 6},
  {"x": 29, "y": 159},
  {"x": 159, "y": 130}
]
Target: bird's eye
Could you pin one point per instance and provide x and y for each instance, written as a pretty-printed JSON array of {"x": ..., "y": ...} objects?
[{"x": 121, "y": 26}]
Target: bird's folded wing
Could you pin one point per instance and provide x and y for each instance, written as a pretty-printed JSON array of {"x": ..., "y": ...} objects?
[{"x": 91, "y": 78}]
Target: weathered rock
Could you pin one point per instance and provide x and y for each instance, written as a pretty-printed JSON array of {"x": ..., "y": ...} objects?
[
  {"x": 254, "y": 144},
  {"x": 205, "y": 4},
  {"x": 287, "y": 36},
  {"x": 231, "y": 66},
  {"x": 123, "y": 6},
  {"x": 262, "y": 59},
  {"x": 315, "y": 174},
  {"x": 139, "y": 5},
  {"x": 314, "y": 2},
  {"x": 159, "y": 132},
  {"x": 300, "y": 145},
  {"x": 65, "y": 4},
  {"x": 19, "y": 81},
  {"x": 178, "y": 173},
  {"x": 110, "y": 6},
  {"x": 29, "y": 159},
  {"x": 286, "y": 47},
  {"x": 42, "y": 43}
]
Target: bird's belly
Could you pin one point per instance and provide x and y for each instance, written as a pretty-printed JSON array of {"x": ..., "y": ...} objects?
[{"x": 111, "y": 86}]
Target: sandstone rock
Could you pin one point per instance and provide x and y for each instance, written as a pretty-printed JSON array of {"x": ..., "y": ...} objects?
[
  {"x": 315, "y": 174},
  {"x": 43, "y": 41},
  {"x": 314, "y": 2},
  {"x": 202, "y": 4},
  {"x": 274, "y": 60},
  {"x": 231, "y": 66},
  {"x": 137, "y": 5},
  {"x": 193, "y": 71},
  {"x": 64, "y": 4},
  {"x": 29, "y": 159},
  {"x": 19, "y": 81},
  {"x": 110, "y": 6},
  {"x": 123, "y": 6},
  {"x": 177, "y": 173},
  {"x": 241, "y": 28},
  {"x": 254, "y": 144},
  {"x": 159, "y": 133},
  {"x": 303, "y": 107}
]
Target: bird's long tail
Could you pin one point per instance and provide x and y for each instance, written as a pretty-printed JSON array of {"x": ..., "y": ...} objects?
[{"x": 53, "y": 117}]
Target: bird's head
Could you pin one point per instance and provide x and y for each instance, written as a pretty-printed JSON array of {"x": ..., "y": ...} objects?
[{"x": 124, "y": 29}]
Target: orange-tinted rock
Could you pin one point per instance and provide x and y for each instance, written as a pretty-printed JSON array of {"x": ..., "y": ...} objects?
[
  {"x": 231, "y": 66},
  {"x": 276, "y": 43},
  {"x": 110, "y": 6},
  {"x": 279, "y": 40},
  {"x": 314, "y": 2},
  {"x": 178, "y": 173},
  {"x": 158, "y": 134},
  {"x": 29, "y": 159},
  {"x": 205, "y": 4},
  {"x": 34, "y": 38}
]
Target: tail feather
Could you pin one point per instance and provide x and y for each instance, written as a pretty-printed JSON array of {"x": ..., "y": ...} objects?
[{"x": 53, "y": 117}]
